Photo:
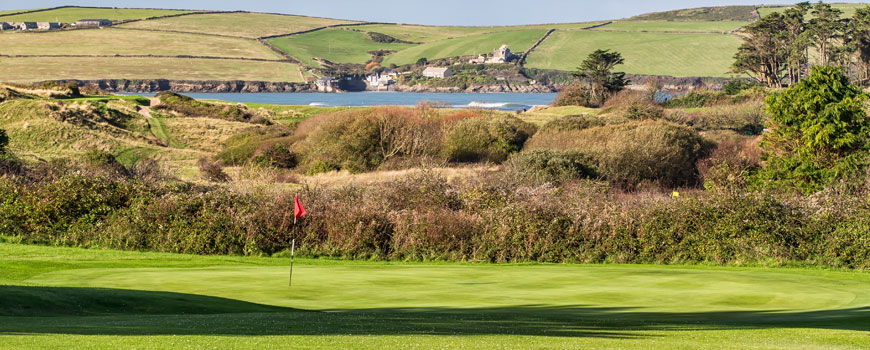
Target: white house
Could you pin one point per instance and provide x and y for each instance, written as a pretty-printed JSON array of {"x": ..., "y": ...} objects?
[
  {"x": 437, "y": 72},
  {"x": 47, "y": 25}
]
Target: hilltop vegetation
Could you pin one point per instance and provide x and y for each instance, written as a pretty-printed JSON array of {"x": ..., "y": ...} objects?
[
  {"x": 72, "y": 14},
  {"x": 682, "y": 43}
]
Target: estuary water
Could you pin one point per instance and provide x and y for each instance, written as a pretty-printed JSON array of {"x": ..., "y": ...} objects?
[{"x": 500, "y": 101}]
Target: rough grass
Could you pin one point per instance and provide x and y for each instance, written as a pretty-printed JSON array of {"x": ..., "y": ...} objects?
[
  {"x": 644, "y": 53},
  {"x": 720, "y": 13},
  {"x": 848, "y": 9},
  {"x": 518, "y": 41},
  {"x": 87, "y": 68},
  {"x": 249, "y": 25},
  {"x": 427, "y": 34},
  {"x": 336, "y": 45},
  {"x": 543, "y": 115},
  {"x": 130, "y": 42},
  {"x": 72, "y": 14},
  {"x": 97, "y": 299},
  {"x": 664, "y": 26}
]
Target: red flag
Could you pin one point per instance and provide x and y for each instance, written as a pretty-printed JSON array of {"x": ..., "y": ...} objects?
[{"x": 298, "y": 209}]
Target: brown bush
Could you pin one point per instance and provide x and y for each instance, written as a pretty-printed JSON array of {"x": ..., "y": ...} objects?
[
  {"x": 574, "y": 95},
  {"x": 631, "y": 153},
  {"x": 634, "y": 105},
  {"x": 212, "y": 171}
]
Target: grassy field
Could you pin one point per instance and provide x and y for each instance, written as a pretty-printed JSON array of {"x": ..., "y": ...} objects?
[
  {"x": 336, "y": 45},
  {"x": 644, "y": 53},
  {"x": 249, "y": 25},
  {"x": 470, "y": 45},
  {"x": 427, "y": 34},
  {"x": 719, "y": 13},
  {"x": 68, "y": 297},
  {"x": 48, "y": 68},
  {"x": 72, "y": 14},
  {"x": 130, "y": 42},
  {"x": 848, "y": 9},
  {"x": 684, "y": 27}
]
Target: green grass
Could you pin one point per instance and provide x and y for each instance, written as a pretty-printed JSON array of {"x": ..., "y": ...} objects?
[
  {"x": 683, "y": 27},
  {"x": 72, "y": 14},
  {"x": 129, "y": 42},
  {"x": 87, "y": 68},
  {"x": 540, "y": 117},
  {"x": 68, "y": 297},
  {"x": 336, "y": 45},
  {"x": 719, "y": 13},
  {"x": 131, "y": 156},
  {"x": 644, "y": 53},
  {"x": 518, "y": 41},
  {"x": 139, "y": 100},
  {"x": 249, "y": 25},
  {"x": 848, "y": 9},
  {"x": 158, "y": 129}
]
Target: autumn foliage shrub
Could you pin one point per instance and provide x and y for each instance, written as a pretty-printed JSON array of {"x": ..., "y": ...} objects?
[{"x": 490, "y": 139}]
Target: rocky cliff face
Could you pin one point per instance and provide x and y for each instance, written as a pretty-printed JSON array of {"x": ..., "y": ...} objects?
[
  {"x": 156, "y": 85},
  {"x": 477, "y": 88}
]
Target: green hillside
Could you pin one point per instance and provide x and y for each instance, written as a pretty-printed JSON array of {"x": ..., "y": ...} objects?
[
  {"x": 644, "y": 53},
  {"x": 249, "y": 25},
  {"x": 692, "y": 42},
  {"x": 469, "y": 45},
  {"x": 131, "y": 42},
  {"x": 336, "y": 45},
  {"x": 671, "y": 26},
  {"x": 72, "y": 14},
  {"x": 91, "y": 68},
  {"x": 848, "y": 9}
]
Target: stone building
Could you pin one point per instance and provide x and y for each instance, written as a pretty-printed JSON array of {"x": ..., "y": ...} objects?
[
  {"x": 437, "y": 72},
  {"x": 93, "y": 23}
]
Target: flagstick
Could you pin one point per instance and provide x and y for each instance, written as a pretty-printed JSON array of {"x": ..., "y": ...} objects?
[{"x": 292, "y": 251}]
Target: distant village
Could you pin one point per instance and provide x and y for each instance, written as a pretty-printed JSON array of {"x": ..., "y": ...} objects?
[
  {"x": 29, "y": 26},
  {"x": 386, "y": 78}
]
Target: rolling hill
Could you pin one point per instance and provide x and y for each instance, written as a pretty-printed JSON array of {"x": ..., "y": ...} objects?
[{"x": 194, "y": 45}]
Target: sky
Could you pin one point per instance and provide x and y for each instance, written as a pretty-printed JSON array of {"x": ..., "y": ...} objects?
[{"x": 437, "y": 12}]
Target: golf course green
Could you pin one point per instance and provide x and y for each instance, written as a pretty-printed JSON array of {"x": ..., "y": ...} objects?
[{"x": 76, "y": 298}]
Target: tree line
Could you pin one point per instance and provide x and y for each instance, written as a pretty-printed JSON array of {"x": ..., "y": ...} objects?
[{"x": 779, "y": 49}]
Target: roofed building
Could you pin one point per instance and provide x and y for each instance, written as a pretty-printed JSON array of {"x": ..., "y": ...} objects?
[
  {"x": 5, "y": 26},
  {"x": 437, "y": 72},
  {"x": 47, "y": 25},
  {"x": 26, "y": 25},
  {"x": 93, "y": 23}
]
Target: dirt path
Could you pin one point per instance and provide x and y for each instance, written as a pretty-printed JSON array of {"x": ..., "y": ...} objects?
[{"x": 146, "y": 110}]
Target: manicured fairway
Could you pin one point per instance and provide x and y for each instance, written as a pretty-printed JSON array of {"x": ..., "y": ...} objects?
[
  {"x": 72, "y": 14},
  {"x": 707, "y": 55},
  {"x": 64, "y": 297},
  {"x": 336, "y": 45},
  {"x": 131, "y": 42},
  {"x": 518, "y": 41},
  {"x": 85, "y": 68},
  {"x": 250, "y": 25}
]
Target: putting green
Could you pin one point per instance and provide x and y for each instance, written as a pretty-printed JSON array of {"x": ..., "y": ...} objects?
[{"x": 84, "y": 298}]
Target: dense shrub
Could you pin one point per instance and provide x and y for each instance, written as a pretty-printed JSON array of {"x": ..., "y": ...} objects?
[
  {"x": 632, "y": 153},
  {"x": 745, "y": 118},
  {"x": 186, "y": 106},
  {"x": 539, "y": 167},
  {"x": 572, "y": 122},
  {"x": 574, "y": 95},
  {"x": 634, "y": 105},
  {"x": 697, "y": 99},
  {"x": 212, "y": 170},
  {"x": 274, "y": 155},
  {"x": 242, "y": 147},
  {"x": 487, "y": 139},
  {"x": 736, "y": 86},
  {"x": 362, "y": 140},
  {"x": 424, "y": 217}
]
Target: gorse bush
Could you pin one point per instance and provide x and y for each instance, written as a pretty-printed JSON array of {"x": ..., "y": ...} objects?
[
  {"x": 487, "y": 139},
  {"x": 212, "y": 170},
  {"x": 425, "y": 217},
  {"x": 634, "y": 105},
  {"x": 632, "y": 153},
  {"x": 362, "y": 140},
  {"x": 574, "y": 95},
  {"x": 745, "y": 118},
  {"x": 186, "y": 106},
  {"x": 572, "y": 122},
  {"x": 538, "y": 167}
]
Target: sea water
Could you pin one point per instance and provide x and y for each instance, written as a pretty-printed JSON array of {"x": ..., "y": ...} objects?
[{"x": 499, "y": 101}]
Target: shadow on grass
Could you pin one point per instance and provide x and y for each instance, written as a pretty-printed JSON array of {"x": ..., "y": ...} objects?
[{"x": 87, "y": 311}]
